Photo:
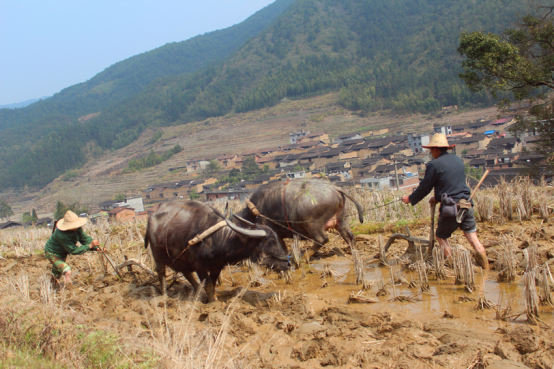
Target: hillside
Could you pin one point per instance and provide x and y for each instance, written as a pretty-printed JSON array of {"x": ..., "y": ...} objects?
[
  {"x": 101, "y": 179},
  {"x": 397, "y": 56}
]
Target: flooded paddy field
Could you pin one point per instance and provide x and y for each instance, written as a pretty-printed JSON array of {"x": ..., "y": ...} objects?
[{"x": 264, "y": 320}]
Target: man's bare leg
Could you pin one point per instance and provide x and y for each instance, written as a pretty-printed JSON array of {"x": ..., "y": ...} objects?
[
  {"x": 480, "y": 253},
  {"x": 445, "y": 247}
]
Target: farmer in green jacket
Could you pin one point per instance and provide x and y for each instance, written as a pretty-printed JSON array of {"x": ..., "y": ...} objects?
[{"x": 63, "y": 242}]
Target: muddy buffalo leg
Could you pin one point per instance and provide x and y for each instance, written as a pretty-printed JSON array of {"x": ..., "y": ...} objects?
[
  {"x": 160, "y": 269},
  {"x": 209, "y": 285},
  {"x": 346, "y": 234},
  {"x": 192, "y": 280},
  {"x": 320, "y": 239}
]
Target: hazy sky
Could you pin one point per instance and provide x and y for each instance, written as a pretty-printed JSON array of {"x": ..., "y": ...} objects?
[{"x": 47, "y": 45}]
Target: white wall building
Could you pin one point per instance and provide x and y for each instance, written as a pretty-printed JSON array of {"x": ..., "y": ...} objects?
[{"x": 415, "y": 141}]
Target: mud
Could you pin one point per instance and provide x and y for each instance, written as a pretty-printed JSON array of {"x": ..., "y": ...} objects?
[{"x": 309, "y": 323}]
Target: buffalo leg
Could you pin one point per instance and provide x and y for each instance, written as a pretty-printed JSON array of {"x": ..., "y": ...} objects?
[
  {"x": 160, "y": 269},
  {"x": 209, "y": 284},
  {"x": 346, "y": 235},
  {"x": 192, "y": 280},
  {"x": 320, "y": 239}
]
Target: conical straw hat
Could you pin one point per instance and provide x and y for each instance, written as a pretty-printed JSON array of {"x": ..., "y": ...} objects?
[
  {"x": 438, "y": 140},
  {"x": 70, "y": 221}
]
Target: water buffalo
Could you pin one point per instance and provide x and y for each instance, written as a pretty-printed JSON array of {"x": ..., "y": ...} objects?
[
  {"x": 309, "y": 207},
  {"x": 174, "y": 224}
]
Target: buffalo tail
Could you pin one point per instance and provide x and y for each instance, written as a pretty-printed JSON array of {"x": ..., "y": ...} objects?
[{"x": 358, "y": 206}]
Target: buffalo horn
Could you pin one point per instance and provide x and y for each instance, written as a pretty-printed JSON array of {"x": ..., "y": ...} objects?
[
  {"x": 244, "y": 220},
  {"x": 253, "y": 233}
]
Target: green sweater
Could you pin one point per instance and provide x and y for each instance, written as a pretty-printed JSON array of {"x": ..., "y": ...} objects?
[{"x": 62, "y": 243}]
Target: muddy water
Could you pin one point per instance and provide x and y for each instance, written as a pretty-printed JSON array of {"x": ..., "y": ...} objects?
[{"x": 443, "y": 295}]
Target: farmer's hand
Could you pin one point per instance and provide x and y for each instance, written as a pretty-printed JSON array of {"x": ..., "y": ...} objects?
[
  {"x": 432, "y": 201},
  {"x": 406, "y": 199},
  {"x": 93, "y": 244}
]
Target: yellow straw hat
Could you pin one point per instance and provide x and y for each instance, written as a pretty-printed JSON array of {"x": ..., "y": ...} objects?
[
  {"x": 70, "y": 221},
  {"x": 438, "y": 140}
]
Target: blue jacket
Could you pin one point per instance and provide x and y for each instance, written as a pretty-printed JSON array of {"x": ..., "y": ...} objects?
[{"x": 446, "y": 174}]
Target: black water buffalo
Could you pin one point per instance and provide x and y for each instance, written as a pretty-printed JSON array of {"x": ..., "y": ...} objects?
[
  {"x": 309, "y": 207},
  {"x": 174, "y": 224}
]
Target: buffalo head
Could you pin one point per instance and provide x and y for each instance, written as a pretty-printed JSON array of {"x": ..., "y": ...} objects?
[{"x": 268, "y": 251}]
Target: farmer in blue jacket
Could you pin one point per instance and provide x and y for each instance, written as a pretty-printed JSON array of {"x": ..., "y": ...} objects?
[{"x": 447, "y": 176}]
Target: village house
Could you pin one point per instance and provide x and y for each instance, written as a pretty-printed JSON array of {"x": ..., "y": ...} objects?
[
  {"x": 367, "y": 166},
  {"x": 321, "y": 136},
  {"x": 528, "y": 158},
  {"x": 460, "y": 128},
  {"x": 226, "y": 160},
  {"x": 350, "y": 143},
  {"x": 362, "y": 150},
  {"x": 308, "y": 157},
  {"x": 309, "y": 145},
  {"x": 503, "y": 122},
  {"x": 10, "y": 224},
  {"x": 195, "y": 165},
  {"x": 477, "y": 163},
  {"x": 339, "y": 169},
  {"x": 470, "y": 143},
  {"x": 445, "y": 130},
  {"x": 416, "y": 141},
  {"x": 509, "y": 144},
  {"x": 530, "y": 142},
  {"x": 121, "y": 214},
  {"x": 406, "y": 183},
  {"x": 457, "y": 136},
  {"x": 295, "y": 136},
  {"x": 391, "y": 151},
  {"x": 297, "y": 174},
  {"x": 479, "y": 127},
  {"x": 267, "y": 160},
  {"x": 230, "y": 194},
  {"x": 347, "y": 137}
]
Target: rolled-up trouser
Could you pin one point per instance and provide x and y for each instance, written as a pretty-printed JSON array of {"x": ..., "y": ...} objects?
[
  {"x": 447, "y": 226},
  {"x": 59, "y": 266}
]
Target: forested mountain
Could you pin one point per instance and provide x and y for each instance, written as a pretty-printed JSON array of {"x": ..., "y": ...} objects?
[{"x": 398, "y": 55}]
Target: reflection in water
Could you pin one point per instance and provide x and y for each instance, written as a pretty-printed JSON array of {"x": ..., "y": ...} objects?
[{"x": 443, "y": 296}]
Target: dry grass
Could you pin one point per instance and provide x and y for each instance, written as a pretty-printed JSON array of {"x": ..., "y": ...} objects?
[{"x": 506, "y": 262}]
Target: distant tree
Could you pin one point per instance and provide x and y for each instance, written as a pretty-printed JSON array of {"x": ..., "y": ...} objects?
[
  {"x": 60, "y": 211},
  {"x": 250, "y": 167},
  {"x": 26, "y": 217},
  {"x": 213, "y": 166},
  {"x": 34, "y": 215},
  {"x": 519, "y": 62},
  {"x": 234, "y": 173},
  {"x": 266, "y": 168},
  {"x": 119, "y": 197},
  {"x": 193, "y": 195},
  {"x": 62, "y": 208},
  {"x": 5, "y": 210}
]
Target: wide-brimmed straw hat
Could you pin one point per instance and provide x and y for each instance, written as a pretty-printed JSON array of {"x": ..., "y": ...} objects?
[
  {"x": 70, "y": 221},
  {"x": 438, "y": 140}
]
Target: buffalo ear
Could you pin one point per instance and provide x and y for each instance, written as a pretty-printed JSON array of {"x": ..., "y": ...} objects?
[
  {"x": 244, "y": 220},
  {"x": 252, "y": 233}
]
